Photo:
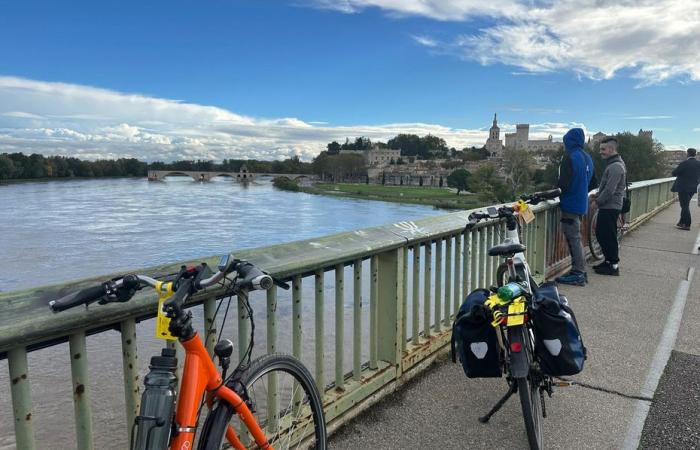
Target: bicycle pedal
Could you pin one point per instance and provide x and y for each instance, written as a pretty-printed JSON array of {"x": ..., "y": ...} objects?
[{"x": 563, "y": 383}]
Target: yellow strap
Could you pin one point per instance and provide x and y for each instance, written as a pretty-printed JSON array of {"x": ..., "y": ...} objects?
[{"x": 165, "y": 291}]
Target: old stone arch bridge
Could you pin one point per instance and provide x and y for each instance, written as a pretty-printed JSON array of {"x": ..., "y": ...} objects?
[{"x": 241, "y": 177}]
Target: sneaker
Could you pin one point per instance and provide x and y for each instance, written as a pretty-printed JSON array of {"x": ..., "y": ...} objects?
[
  {"x": 608, "y": 269},
  {"x": 573, "y": 278},
  {"x": 683, "y": 227},
  {"x": 598, "y": 266}
]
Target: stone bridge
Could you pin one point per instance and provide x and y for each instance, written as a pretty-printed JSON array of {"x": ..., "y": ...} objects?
[{"x": 242, "y": 176}]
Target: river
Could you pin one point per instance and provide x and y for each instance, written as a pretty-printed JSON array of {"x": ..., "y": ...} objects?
[{"x": 56, "y": 231}]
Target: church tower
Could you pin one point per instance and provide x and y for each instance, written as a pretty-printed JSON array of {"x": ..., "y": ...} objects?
[
  {"x": 494, "y": 144},
  {"x": 495, "y": 131}
]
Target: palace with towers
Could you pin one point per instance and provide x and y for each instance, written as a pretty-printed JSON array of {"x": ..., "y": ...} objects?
[{"x": 518, "y": 140}]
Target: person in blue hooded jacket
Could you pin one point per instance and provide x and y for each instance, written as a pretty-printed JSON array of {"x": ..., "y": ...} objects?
[{"x": 576, "y": 179}]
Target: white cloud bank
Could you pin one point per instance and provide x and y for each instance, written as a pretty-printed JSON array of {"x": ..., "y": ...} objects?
[
  {"x": 91, "y": 123},
  {"x": 655, "y": 40}
]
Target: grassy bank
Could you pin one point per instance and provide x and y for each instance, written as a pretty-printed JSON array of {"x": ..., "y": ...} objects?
[{"x": 441, "y": 198}]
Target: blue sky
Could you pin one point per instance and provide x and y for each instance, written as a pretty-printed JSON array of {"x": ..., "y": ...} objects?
[{"x": 270, "y": 79}]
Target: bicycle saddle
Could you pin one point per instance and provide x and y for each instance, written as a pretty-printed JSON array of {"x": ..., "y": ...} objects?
[{"x": 506, "y": 249}]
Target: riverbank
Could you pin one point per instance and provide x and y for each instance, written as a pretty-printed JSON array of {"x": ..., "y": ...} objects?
[{"x": 420, "y": 195}]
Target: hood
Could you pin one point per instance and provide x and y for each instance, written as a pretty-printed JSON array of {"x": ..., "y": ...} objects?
[{"x": 574, "y": 139}]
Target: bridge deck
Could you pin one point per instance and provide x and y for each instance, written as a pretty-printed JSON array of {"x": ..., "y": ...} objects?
[{"x": 623, "y": 320}]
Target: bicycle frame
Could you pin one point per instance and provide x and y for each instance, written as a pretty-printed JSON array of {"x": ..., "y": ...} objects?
[{"x": 201, "y": 376}]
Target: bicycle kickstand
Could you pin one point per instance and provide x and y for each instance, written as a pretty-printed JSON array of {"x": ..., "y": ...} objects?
[{"x": 501, "y": 402}]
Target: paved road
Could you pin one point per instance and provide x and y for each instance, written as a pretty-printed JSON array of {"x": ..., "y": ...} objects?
[{"x": 628, "y": 325}]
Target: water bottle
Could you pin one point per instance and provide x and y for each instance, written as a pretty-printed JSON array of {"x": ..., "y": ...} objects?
[
  {"x": 155, "y": 418},
  {"x": 510, "y": 291}
]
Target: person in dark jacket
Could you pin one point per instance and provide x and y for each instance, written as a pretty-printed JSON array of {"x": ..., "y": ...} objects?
[
  {"x": 576, "y": 179},
  {"x": 610, "y": 196},
  {"x": 687, "y": 177}
]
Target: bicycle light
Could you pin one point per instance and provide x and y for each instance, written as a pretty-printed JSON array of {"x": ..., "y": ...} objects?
[{"x": 516, "y": 347}]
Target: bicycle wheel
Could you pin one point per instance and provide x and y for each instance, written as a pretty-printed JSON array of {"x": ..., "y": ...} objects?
[
  {"x": 593, "y": 244},
  {"x": 529, "y": 393},
  {"x": 283, "y": 397}
]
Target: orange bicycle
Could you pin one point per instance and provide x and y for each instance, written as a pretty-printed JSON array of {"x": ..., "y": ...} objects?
[{"x": 274, "y": 397}]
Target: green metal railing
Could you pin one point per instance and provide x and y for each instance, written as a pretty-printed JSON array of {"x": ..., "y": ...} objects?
[{"x": 401, "y": 330}]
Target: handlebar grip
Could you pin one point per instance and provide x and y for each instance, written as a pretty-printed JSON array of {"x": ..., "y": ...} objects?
[
  {"x": 546, "y": 195},
  {"x": 85, "y": 296},
  {"x": 252, "y": 277}
]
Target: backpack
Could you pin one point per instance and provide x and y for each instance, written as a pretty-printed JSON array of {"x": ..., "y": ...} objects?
[
  {"x": 558, "y": 343},
  {"x": 474, "y": 339}
]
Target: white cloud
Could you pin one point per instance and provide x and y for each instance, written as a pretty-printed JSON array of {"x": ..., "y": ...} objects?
[
  {"x": 92, "y": 123},
  {"x": 656, "y": 40}
]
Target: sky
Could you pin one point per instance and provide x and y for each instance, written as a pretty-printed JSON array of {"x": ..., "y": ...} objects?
[{"x": 165, "y": 81}]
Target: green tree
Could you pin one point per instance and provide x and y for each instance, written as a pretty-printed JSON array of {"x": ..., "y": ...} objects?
[
  {"x": 7, "y": 168},
  {"x": 459, "y": 179},
  {"x": 517, "y": 168},
  {"x": 643, "y": 157},
  {"x": 486, "y": 182},
  {"x": 333, "y": 148}
]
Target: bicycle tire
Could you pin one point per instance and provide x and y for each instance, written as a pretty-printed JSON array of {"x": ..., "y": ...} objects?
[
  {"x": 593, "y": 244},
  {"x": 529, "y": 397},
  {"x": 219, "y": 418}
]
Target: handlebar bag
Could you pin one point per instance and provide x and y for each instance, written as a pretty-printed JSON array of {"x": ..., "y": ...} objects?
[
  {"x": 558, "y": 342},
  {"x": 474, "y": 339}
]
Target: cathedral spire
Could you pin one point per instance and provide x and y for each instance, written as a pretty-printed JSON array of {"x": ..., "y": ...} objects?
[{"x": 494, "y": 120}]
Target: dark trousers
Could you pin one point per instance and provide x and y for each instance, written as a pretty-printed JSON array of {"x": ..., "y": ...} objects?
[
  {"x": 684, "y": 200},
  {"x": 606, "y": 233}
]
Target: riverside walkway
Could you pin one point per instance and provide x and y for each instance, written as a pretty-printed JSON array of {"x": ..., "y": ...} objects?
[{"x": 643, "y": 339}]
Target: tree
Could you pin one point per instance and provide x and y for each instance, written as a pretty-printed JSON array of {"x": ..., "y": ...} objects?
[
  {"x": 459, "y": 179},
  {"x": 440, "y": 180},
  {"x": 7, "y": 168},
  {"x": 333, "y": 148},
  {"x": 517, "y": 168},
  {"x": 475, "y": 154},
  {"x": 486, "y": 181},
  {"x": 643, "y": 157},
  {"x": 420, "y": 181}
]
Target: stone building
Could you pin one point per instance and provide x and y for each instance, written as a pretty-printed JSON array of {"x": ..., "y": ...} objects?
[
  {"x": 377, "y": 156},
  {"x": 520, "y": 140},
  {"x": 494, "y": 144}
]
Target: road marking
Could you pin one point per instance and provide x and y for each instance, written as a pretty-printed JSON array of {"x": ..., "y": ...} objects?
[{"x": 663, "y": 353}]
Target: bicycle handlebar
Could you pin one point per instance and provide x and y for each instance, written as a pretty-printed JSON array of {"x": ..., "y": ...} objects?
[
  {"x": 506, "y": 210},
  {"x": 122, "y": 289}
]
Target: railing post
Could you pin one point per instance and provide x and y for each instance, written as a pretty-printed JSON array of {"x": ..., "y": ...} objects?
[
  {"x": 132, "y": 386},
  {"x": 357, "y": 321},
  {"x": 320, "y": 329},
  {"x": 448, "y": 281},
  {"x": 389, "y": 308},
  {"x": 458, "y": 274},
  {"x": 210, "y": 331},
  {"x": 427, "y": 279},
  {"x": 81, "y": 394},
  {"x": 540, "y": 261},
  {"x": 373, "y": 298},
  {"x": 415, "y": 329},
  {"x": 272, "y": 394},
  {"x": 21, "y": 398},
  {"x": 438, "y": 285},
  {"x": 339, "y": 320},
  {"x": 296, "y": 317},
  {"x": 404, "y": 290}
]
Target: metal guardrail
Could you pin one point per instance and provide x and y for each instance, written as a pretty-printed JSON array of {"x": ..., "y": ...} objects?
[{"x": 419, "y": 272}]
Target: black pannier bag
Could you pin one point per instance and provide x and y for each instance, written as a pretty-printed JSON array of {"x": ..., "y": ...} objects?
[
  {"x": 558, "y": 342},
  {"x": 474, "y": 338}
]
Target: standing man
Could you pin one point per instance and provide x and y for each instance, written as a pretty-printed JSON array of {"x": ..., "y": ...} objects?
[
  {"x": 687, "y": 177},
  {"x": 576, "y": 179},
  {"x": 609, "y": 198}
]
